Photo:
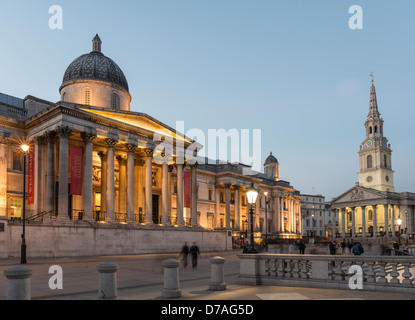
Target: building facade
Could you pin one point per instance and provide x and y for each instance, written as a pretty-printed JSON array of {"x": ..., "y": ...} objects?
[
  {"x": 372, "y": 208},
  {"x": 94, "y": 161},
  {"x": 317, "y": 218}
]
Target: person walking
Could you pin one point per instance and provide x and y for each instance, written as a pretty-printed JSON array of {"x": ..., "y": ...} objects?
[
  {"x": 195, "y": 252},
  {"x": 332, "y": 248},
  {"x": 301, "y": 247},
  {"x": 185, "y": 253}
]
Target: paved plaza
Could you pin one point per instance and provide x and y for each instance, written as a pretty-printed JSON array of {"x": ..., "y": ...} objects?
[{"x": 140, "y": 277}]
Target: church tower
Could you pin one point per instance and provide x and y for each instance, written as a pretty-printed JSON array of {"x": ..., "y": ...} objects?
[{"x": 375, "y": 156}]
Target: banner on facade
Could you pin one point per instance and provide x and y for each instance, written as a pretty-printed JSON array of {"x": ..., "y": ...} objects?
[
  {"x": 31, "y": 175},
  {"x": 186, "y": 187},
  {"x": 76, "y": 171}
]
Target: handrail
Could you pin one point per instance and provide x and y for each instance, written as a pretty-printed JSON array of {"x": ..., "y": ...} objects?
[{"x": 39, "y": 215}]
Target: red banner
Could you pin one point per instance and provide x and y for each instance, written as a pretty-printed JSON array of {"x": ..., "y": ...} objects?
[
  {"x": 31, "y": 175},
  {"x": 187, "y": 188},
  {"x": 76, "y": 171}
]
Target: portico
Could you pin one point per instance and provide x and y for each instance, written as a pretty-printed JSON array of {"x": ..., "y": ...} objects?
[{"x": 368, "y": 213}]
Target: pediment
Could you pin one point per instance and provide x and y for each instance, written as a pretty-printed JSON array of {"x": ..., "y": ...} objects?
[
  {"x": 357, "y": 194},
  {"x": 138, "y": 120}
]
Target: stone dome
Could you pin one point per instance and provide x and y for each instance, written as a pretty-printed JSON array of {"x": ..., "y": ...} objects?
[
  {"x": 271, "y": 159},
  {"x": 95, "y": 66}
]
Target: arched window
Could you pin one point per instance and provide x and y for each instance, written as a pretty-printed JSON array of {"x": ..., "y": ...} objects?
[
  {"x": 376, "y": 129},
  {"x": 385, "y": 160},
  {"x": 64, "y": 97},
  {"x": 369, "y": 162},
  {"x": 371, "y": 130},
  {"x": 115, "y": 101},
  {"x": 87, "y": 95}
]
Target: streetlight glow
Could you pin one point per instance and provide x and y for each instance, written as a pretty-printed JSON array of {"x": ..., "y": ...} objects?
[{"x": 25, "y": 148}]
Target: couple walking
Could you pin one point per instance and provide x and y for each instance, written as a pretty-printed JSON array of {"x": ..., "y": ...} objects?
[{"x": 193, "y": 251}]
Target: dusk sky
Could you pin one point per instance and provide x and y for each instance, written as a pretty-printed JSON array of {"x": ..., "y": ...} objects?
[{"x": 293, "y": 69}]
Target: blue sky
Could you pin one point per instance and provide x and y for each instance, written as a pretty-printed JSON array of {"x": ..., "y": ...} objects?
[{"x": 293, "y": 69}]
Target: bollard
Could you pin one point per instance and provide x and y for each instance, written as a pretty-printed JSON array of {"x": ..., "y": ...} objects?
[
  {"x": 108, "y": 281},
  {"x": 18, "y": 283},
  {"x": 217, "y": 274},
  {"x": 171, "y": 279}
]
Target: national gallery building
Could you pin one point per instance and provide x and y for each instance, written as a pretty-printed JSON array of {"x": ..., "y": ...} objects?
[{"x": 91, "y": 175}]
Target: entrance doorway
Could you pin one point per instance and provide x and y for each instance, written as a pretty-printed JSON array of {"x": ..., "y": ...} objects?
[{"x": 156, "y": 211}]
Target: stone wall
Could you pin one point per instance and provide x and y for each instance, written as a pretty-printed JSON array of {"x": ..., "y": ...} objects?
[{"x": 78, "y": 239}]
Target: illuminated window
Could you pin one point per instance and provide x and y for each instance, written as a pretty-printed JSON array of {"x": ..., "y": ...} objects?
[
  {"x": 16, "y": 208},
  {"x": 87, "y": 97},
  {"x": 115, "y": 101}
]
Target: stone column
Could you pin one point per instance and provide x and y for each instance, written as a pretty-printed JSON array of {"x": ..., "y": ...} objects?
[
  {"x": 88, "y": 182},
  {"x": 130, "y": 183},
  {"x": 237, "y": 209},
  {"x": 386, "y": 218},
  {"x": 107, "y": 282},
  {"x": 50, "y": 179},
  {"x": 363, "y": 222},
  {"x": 103, "y": 157},
  {"x": 353, "y": 222},
  {"x": 36, "y": 170},
  {"x": 217, "y": 206},
  {"x": 194, "y": 195},
  {"x": 165, "y": 194},
  {"x": 170, "y": 192},
  {"x": 393, "y": 220},
  {"x": 18, "y": 283},
  {"x": 343, "y": 213},
  {"x": 4, "y": 146},
  {"x": 375, "y": 222},
  {"x": 110, "y": 192},
  {"x": 228, "y": 206},
  {"x": 149, "y": 186},
  {"x": 63, "y": 200},
  {"x": 179, "y": 195},
  {"x": 281, "y": 216},
  {"x": 333, "y": 224},
  {"x": 122, "y": 191},
  {"x": 275, "y": 213}
]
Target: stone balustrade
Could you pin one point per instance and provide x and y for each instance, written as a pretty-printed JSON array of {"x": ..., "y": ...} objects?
[{"x": 380, "y": 273}]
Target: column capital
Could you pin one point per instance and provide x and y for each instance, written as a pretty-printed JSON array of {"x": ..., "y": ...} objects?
[
  {"x": 111, "y": 143},
  {"x": 131, "y": 148},
  {"x": 39, "y": 140},
  {"x": 121, "y": 160},
  {"x": 228, "y": 185},
  {"x": 149, "y": 152},
  {"x": 51, "y": 136},
  {"x": 64, "y": 132},
  {"x": 102, "y": 155},
  {"x": 88, "y": 137},
  {"x": 236, "y": 187}
]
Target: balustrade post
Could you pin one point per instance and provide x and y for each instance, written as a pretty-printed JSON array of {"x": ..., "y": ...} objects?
[{"x": 18, "y": 283}]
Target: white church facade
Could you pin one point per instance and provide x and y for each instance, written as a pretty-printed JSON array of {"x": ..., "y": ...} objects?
[{"x": 372, "y": 208}]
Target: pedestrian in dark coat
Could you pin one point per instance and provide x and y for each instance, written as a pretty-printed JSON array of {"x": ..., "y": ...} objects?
[
  {"x": 185, "y": 253},
  {"x": 195, "y": 252}
]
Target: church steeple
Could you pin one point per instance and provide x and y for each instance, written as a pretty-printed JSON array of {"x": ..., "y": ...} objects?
[
  {"x": 373, "y": 105},
  {"x": 375, "y": 153}
]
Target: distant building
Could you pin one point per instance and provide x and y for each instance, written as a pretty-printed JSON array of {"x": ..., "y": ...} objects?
[{"x": 317, "y": 218}]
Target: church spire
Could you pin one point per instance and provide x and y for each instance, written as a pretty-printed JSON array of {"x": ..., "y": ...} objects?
[{"x": 373, "y": 105}]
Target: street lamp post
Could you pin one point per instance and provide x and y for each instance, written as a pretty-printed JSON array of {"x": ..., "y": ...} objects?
[
  {"x": 25, "y": 150},
  {"x": 266, "y": 215},
  {"x": 252, "y": 195},
  {"x": 399, "y": 223}
]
